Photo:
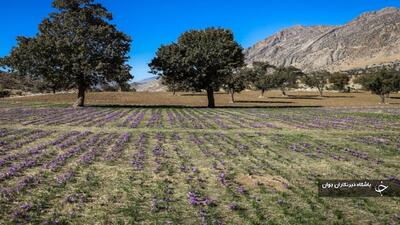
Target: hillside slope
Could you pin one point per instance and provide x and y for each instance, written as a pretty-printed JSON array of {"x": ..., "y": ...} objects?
[
  {"x": 151, "y": 84},
  {"x": 370, "y": 39}
]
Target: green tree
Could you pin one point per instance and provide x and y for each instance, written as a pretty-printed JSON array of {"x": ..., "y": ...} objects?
[
  {"x": 262, "y": 79},
  {"x": 76, "y": 47},
  {"x": 202, "y": 60},
  {"x": 174, "y": 85},
  {"x": 286, "y": 78},
  {"x": 33, "y": 59},
  {"x": 237, "y": 82},
  {"x": 123, "y": 77},
  {"x": 381, "y": 82},
  {"x": 169, "y": 67},
  {"x": 317, "y": 79},
  {"x": 339, "y": 81}
]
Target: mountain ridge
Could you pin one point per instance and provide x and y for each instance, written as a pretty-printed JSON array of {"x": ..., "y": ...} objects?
[
  {"x": 371, "y": 38},
  {"x": 151, "y": 84}
]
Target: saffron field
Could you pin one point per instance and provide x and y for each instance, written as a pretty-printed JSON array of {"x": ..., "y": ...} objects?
[{"x": 146, "y": 165}]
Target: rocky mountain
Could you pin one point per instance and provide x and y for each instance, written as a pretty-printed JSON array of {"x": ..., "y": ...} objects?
[
  {"x": 373, "y": 38},
  {"x": 151, "y": 84}
]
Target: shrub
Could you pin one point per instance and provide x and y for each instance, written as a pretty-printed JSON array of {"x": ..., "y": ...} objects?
[
  {"x": 339, "y": 81},
  {"x": 4, "y": 93}
]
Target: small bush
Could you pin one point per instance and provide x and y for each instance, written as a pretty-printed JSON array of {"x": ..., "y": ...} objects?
[
  {"x": 18, "y": 92},
  {"x": 4, "y": 93}
]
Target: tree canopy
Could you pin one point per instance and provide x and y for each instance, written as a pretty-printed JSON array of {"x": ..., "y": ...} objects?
[
  {"x": 317, "y": 79},
  {"x": 76, "y": 47},
  {"x": 339, "y": 81},
  {"x": 381, "y": 82},
  {"x": 237, "y": 82},
  {"x": 200, "y": 60},
  {"x": 262, "y": 78},
  {"x": 286, "y": 78},
  {"x": 168, "y": 65}
]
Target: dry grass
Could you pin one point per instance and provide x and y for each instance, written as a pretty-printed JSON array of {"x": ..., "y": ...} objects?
[
  {"x": 247, "y": 98},
  {"x": 276, "y": 182}
]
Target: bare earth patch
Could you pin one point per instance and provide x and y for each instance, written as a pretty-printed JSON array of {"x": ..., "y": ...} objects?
[{"x": 246, "y": 98}]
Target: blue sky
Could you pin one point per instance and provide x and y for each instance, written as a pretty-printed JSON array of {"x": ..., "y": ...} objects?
[{"x": 154, "y": 22}]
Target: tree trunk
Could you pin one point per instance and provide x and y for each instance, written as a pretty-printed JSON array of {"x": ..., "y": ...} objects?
[
  {"x": 283, "y": 91},
  {"x": 382, "y": 98},
  {"x": 262, "y": 93},
  {"x": 210, "y": 96},
  {"x": 320, "y": 92},
  {"x": 173, "y": 92},
  {"x": 232, "y": 93},
  {"x": 81, "y": 95}
]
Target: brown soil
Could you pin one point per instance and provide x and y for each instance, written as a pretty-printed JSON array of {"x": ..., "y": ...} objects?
[{"x": 246, "y": 98}]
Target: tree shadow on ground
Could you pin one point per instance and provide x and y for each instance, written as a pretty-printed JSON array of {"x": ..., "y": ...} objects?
[
  {"x": 200, "y": 94},
  {"x": 313, "y": 97},
  {"x": 203, "y": 107},
  {"x": 339, "y": 96},
  {"x": 262, "y": 101}
]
